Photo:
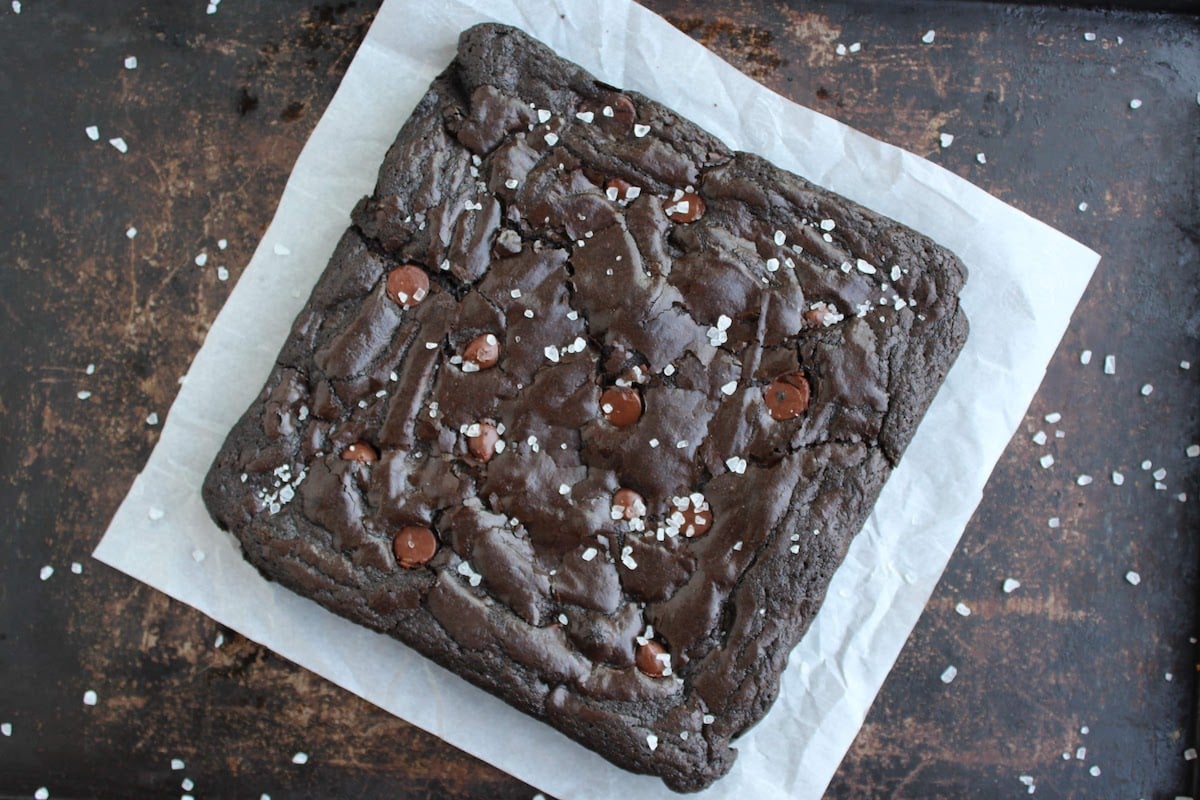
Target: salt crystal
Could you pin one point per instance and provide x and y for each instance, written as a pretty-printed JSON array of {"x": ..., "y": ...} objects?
[
  {"x": 83, "y": 394},
  {"x": 1189, "y": 754},
  {"x": 780, "y": 238},
  {"x": 1193, "y": 450},
  {"x": 300, "y": 758},
  {"x": 1054, "y": 522},
  {"x": 1083, "y": 206},
  {"x": 551, "y": 139},
  {"x": 828, "y": 224},
  {"x": 222, "y": 274},
  {"x": 6, "y": 728},
  {"x": 1083, "y": 480},
  {"x": 1147, "y": 464},
  {"x": 1046, "y": 461},
  {"x": 1011, "y": 585},
  {"x": 130, "y": 233},
  {"x": 1146, "y": 390},
  {"x": 1053, "y": 417},
  {"x": 119, "y": 144},
  {"x": 949, "y": 674},
  {"x": 651, "y": 741},
  {"x": 729, "y": 388},
  {"x": 1117, "y": 478},
  {"x": 585, "y": 116},
  {"x": 928, "y": 37},
  {"x": 589, "y": 554},
  {"x": 946, "y": 139},
  {"x": 89, "y": 698},
  {"x": 1135, "y": 104},
  {"x": 187, "y": 785},
  {"x": 1185, "y": 365},
  {"x": 92, "y": 132},
  {"x": 1160, "y": 473},
  {"x": 1089, "y": 37},
  {"x": 1110, "y": 365},
  {"x": 76, "y": 568},
  {"x": 282, "y": 249},
  {"x": 130, "y": 62},
  {"x": 963, "y": 610},
  {"x": 155, "y": 513},
  {"x": 42, "y": 792},
  {"x": 854, "y": 48},
  {"x": 543, "y": 115},
  {"x": 1085, "y": 357},
  {"x": 46, "y": 572},
  {"x": 840, "y": 49},
  {"x": 1094, "y": 771},
  {"x": 981, "y": 158},
  {"x": 1039, "y": 438},
  {"x": 640, "y": 130},
  {"x": 222, "y": 244},
  {"x": 1133, "y": 578},
  {"x": 1081, "y": 753}
]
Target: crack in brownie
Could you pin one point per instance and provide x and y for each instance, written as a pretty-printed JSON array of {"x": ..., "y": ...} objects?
[{"x": 587, "y": 407}]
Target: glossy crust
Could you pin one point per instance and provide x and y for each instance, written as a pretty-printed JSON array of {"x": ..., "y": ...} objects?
[{"x": 510, "y": 187}]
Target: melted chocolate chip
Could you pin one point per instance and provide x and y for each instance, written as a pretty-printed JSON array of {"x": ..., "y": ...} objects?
[
  {"x": 407, "y": 285},
  {"x": 622, "y": 406},
  {"x": 482, "y": 352},
  {"x": 620, "y": 190},
  {"x": 648, "y": 661},
  {"x": 688, "y": 208},
  {"x": 695, "y": 523},
  {"x": 482, "y": 445},
  {"x": 361, "y": 452},
  {"x": 787, "y": 397},
  {"x": 628, "y": 504},
  {"x": 414, "y": 546}
]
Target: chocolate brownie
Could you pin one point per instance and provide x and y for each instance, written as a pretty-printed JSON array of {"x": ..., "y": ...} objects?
[{"x": 587, "y": 407}]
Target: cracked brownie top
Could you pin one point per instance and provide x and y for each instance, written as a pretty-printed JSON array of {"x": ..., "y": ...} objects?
[{"x": 587, "y": 406}]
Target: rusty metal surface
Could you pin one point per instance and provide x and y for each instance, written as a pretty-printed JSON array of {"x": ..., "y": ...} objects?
[{"x": 214, "y": 114}]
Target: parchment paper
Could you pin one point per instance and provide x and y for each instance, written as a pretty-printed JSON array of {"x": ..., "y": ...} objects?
[{"x": 1025, "y": 280}]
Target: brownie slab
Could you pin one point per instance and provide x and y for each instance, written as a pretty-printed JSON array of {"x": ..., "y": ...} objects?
[{"x": 587, "y": 407}]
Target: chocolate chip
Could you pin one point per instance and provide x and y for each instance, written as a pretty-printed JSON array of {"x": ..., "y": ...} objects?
[
  {"x": 623, "y": 109},
  {"x": 686, "y": 207},
  {"x": 407, "y": 285},
  {"x": 695, "y": 523},
  {"x": 628, "y": 504},
  {"x": 648, "y": 661},
  {"x": 621, "y": 406},
  {"x": 621, "y": 190},
  {"x": 414, "y": 546},
  {"x": 787, "y": 397},
  {"x": 482, "y": 445},
  {"x": 361, "y": 452},
  {"x": 481, "y": 352}
]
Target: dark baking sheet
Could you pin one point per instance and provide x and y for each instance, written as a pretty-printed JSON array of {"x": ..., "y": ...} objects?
[{"x": 214, "y": 115}]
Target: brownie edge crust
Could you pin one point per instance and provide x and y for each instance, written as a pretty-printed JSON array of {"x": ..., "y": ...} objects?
[{"x": 587, "y": 407}]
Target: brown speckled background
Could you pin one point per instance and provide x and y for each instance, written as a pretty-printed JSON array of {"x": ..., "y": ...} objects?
[{"x": 214, "y": 115}]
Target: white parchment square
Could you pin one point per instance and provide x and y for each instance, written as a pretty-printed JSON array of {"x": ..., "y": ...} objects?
[{"x": 1025, "y": 280}]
